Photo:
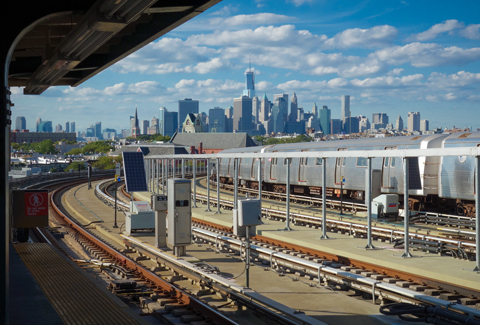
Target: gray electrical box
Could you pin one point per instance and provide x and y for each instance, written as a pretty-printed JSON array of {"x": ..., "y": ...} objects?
[
  {"x": 179, "y": 212},
  {"x": 141, "y": 217},
  {"x": 159, "y": 202},
  {"x": 249, "y": 212}
]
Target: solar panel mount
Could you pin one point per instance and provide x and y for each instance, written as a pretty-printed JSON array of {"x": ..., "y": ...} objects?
[{"x": 134, "y": 169}]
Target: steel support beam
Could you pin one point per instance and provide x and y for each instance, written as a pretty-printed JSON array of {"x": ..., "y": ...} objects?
[
  {"x": 368, "y": 201},
  {"x": 208, "y": 186},
  {"x": 287, "y": 221},
  {"x": 260, "y": 181},
  {"x": 235, "y": 182},
  {"x": 163, "y": 176},
  {"x": 406, "y": 210},
  {"x": 194, "y": 163},
  {"x": 218, "y": 185},
  {"x": 477, "y": 213},
  {"x": 183, "y": 168},
  {"x": 324, "y": 199}
]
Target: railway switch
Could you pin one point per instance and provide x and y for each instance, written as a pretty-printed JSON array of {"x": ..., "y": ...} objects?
[
  {"x": 179, "y": 215},
  {"x": 159, "y": 204}
]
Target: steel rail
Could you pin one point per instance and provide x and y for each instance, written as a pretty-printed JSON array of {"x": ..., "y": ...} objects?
[{"x": 177, "y": 293}]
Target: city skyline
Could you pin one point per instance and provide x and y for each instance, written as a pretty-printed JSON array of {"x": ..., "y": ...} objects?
[{"x": 402, "y": 58}]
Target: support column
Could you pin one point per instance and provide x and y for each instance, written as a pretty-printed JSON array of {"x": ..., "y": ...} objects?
[
  {"x": 163, "y": 176},
  {"x": 157, "y": 174},
  {"x": 194, "y": 183},
  {"x": 260, "y": 181},
  {"x": 477, "y": 213},
  {"x": 218, "y": 185},
  {"x": 406, "y": 210},
  {"x": 287, "y": 220},
  {"x": 235, "y": 183},
  {"x": 324, "y": 199},
  {"x": 208, "y": 186},
  {"x": 183, "y": 168},
  {"x": 368, "y": 201}
]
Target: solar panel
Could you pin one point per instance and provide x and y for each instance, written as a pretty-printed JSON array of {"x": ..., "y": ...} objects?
[{"x": 134, "y": 169}]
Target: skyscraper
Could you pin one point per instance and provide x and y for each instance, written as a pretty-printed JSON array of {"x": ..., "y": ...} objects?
[
  {"x": 413, "y": 121},
  {"x": 144, "y": 126},
  {"x": 154, "y": 124},
  {"x": 364, "y": 124},
  {"x": 167, "y": 122},
  {"x": 72, "y": 127},
  {"x": 294, "y": 108},
  {"x": 276, "y": 119},
  {"x": 58, "y": 128},
  {"x": 37, "y": 124},
  {"x": 255, "y": 108},
  {"x": 424, "y": 125},
  {"x": 264, "y": 111},
  {"x": 345, "y": 114},
  {"x": 20, "y": 123},
  {"x": 67, "y": 126},
  {"x": 186, "y": 106},
  {"x": 216, "y": 120},
  {"x": 399, "y": 124},
  {"x": 345, "y": 107},
  {"x": 282, "y": 104},
  {"x": 98, "y": 130},
  {"x": 380, "y": 118},
  {"x": 136, "y": 127},
  {"x": 242, "y": 114},
  {"x": 249, "y": 90},
  {"x": 45, "y": 126},
  {"x": 325, "y": 117}
]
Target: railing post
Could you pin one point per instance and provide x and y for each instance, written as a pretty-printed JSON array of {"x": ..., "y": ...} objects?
[
  {"x": 235, "y": 183},
  {"x": 324, "y": 199},
  {"x": 208, "y": 186},
  {"x": 183, "y": 168},
  {"x": 194, "y": 183},
  {"x": 368, "y": 201},
  {"x": 477, "y": 213},
  {"x": 218, "y": 185},
  {"x": 287, "y": 190},
  {"x": 406, "y": 241},
  {"x": 260, "y": 181}
]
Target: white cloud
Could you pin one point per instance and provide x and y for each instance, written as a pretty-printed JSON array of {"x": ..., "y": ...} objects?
[
  {"x": 116, "y": 89},
  {"x": 356, "y": 37},
  {"x": 471, "y": 31},
  {"x": 207, "y": 67},
  {"x": 263, "y": 86},
  {"x": 459, "y": 79},
  {"x": 427, "y": 55},
  {"x": 185, "y": 83},
  {"x": 389, "y": 81},
  {"x": 338, "y": 83},
  {"x": 395, "y": 72},
  {"x": 298, "y": 3},
  {"x": 450, "y": 96},
  {"x": 431, "y": 98},
  {"x": 432, "y": 32},
  {"x": 255, "y": 19},
  {"x": 301, "y": 85}
]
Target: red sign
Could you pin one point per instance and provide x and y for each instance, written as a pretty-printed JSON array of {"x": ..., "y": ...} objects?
[{"x": 36, "y": 204}]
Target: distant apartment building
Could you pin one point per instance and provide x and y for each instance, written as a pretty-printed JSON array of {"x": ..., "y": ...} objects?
[
  {"x": 98, "y": 130},
  {"x": 242, "y": 114},
  {"x": 186, "y": 106},
  {"x": 37, "y": 124},
  {"x": 345, "y": 113},
  {"x": 45, "y": 126},
  {"x": 21, "y": 123},
  {"x": 72, "y": 127},
  {"x": 413, "y": 121},
  {"x": 144, "y": 126},
  {"x": 167, "y": 122},
  {"x": 424, "y": 125},
  {"x": 58, "y": 128},
  {"x": 325, "y": 118},
  {"x": 216, "y": 120},
  {"x": 364, "y": 124},
  {"x": 33, "y": 137},
  {"x": 399, "y": 124}
]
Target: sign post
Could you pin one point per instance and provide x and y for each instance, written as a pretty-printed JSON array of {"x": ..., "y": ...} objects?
[{"x": 30, "y": 210}]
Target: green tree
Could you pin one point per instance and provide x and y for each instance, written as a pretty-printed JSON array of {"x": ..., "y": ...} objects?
[
  {"x": 97, "y": 146},
  {"x": 75, "y": 151},
  {"x": 45, "y": 147},
  {"x": 74, "y": 165},
  {"x": 105, "y": 163}
]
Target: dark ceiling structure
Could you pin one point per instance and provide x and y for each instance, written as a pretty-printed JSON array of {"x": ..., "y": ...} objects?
[{"x": 72, "y": 46}]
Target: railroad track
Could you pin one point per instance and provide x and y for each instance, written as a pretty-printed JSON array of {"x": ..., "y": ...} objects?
[
  {"x": 380, "y": 284},
  {"x": 138, "y": 277}
]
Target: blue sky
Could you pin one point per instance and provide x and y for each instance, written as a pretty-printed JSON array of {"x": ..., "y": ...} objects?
[{"x": 389, "y": 56}]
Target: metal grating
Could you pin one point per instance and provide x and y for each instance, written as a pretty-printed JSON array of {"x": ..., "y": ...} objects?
[
  {"x": 134, "y": 169},
  {"x": 74, "y": 297}
]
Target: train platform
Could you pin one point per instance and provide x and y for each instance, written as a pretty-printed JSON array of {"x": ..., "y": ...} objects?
[
  {"x": 443, "y": 268},
  {"x": 325, "y": 305},
  {"x": 48, "y": 288}
]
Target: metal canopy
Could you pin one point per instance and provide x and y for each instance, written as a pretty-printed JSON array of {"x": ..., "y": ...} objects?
[
  {"x": 403, "y": 153},
  {"x": 70, "y": 46}
]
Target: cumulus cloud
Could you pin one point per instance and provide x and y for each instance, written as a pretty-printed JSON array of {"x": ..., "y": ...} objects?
[
  {"x": 389, "y": 81},
  {"x": 471, "y": 31},
  {"x": 209, "y": 66},
  {"x": 427, "y": 55},
  {"x": 459, "y": 79},
  {"x": 395, "y": 72},
  {"x": 255, "y": 19},
  {"x": 356, "y": 37},
  {"x": 432, "y": 32}
]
